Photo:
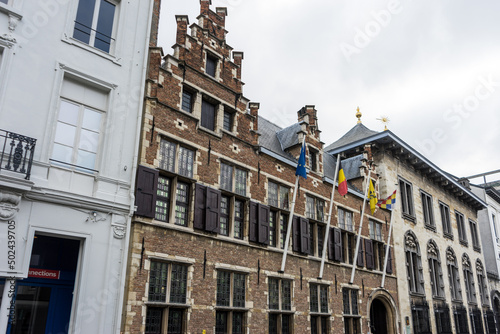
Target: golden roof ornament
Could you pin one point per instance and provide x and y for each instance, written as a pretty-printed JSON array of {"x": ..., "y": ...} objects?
[
  {"x": 358, "y": 115},
  {"x": 385, "y": 120}
]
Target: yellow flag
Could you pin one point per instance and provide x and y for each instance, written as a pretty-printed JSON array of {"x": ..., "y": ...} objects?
[{"x": 372, "y": 197}]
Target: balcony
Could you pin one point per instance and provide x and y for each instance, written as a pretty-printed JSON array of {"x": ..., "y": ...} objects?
[{"x": 16, "y": 153}]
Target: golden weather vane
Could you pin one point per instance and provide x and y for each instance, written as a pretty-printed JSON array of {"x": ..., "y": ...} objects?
[{"x": 385, "y": 120}]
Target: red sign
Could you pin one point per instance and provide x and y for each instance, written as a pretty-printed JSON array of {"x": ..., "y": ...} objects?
[{"x": 44, "y": 273}]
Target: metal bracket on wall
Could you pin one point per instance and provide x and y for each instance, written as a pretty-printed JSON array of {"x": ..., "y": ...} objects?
[
  {"x": 142, "y": 254},
  {"x": 204, "y": 263},
  {"x": 258, "y": 272},
  {"x": 301, "y": 278}
]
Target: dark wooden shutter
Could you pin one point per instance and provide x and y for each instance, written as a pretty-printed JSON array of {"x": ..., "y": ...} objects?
[
  {"x": 370, "y": 263},
  {"x": 263, "y": 224},
  {"x": 212, "y": 210},
  {"x": 200, "y": 199},
  {"x": 145, "y": 196},
  {"x": 337, "y": 244},
  {"x": 304, "y": 236},
  {"x": 331, "y": 247},
  {"x": 389, "y": 261},
  {"x": 296, "y": 234},
  {"x": 253, "y": 223},
  {"x": 361, "y": 258}
]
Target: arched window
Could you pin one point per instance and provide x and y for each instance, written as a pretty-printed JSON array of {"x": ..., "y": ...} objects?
[
  {"x": 435, "y": 271},
  {"x": 413, "y": 264},
  {"x": 481, "y": 282},
  {"x": 451, "y": 263},
  {"x": 468, "y": 279}
]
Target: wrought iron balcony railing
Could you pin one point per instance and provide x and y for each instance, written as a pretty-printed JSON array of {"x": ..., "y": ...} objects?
[{"x": 17, "y": 152}]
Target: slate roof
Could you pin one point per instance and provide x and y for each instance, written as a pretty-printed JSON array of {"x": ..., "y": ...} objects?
[
  {"x": 269, "y": 139},
  {"x": 277, "y": 140},
  {"x": 358, "y": 132}
]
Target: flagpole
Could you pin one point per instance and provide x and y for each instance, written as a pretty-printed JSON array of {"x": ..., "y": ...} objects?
[
  {"x": 387, "y": 247},
  {"x": 355, "y": 259},
  {"x": 290, "y": 219},
  {"x": 325, "y": 239}
]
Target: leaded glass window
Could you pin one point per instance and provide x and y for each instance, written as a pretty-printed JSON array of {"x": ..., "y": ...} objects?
[{"x": 231, "y": 290}]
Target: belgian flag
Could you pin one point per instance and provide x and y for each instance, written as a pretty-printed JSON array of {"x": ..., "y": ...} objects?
[{"x": 342, "y": 187}]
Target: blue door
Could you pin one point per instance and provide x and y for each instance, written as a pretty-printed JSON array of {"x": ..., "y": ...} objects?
[{"x": 43, "y": 300}]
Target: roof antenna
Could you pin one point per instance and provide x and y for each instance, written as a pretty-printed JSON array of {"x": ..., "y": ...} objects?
[{"x": 358, "y": 115}]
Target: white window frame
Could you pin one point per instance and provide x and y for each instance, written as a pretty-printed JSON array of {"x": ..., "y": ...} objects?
[{"x": 78, "y": 136}]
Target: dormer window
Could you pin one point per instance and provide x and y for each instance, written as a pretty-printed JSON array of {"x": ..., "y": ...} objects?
[
  {"x": 211, "y": 65},
  {"x": 313, "y": 160}
]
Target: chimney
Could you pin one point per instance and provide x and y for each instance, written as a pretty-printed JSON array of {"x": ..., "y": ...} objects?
[
  {"x": 237, "y": 58},
  {"x": 153, "y": 39},
  {"x": 205, "y": 7},
  {"x": 222, "y": 12},
  {"x": 308, "y": 115},
  {"x": 182, "y": 25}
]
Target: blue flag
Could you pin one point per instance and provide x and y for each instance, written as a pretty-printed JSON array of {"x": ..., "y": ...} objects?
[{"x": 301, "y": 166}]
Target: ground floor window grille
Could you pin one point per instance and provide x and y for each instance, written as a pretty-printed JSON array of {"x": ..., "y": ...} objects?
[
  {"x": 420, "y": 317},
  {"x": 443, "y": 320},
  {"x": 489, "y": 320},
  {"x": 476, "y": 321},
  {"x": 461, "y": 324}
]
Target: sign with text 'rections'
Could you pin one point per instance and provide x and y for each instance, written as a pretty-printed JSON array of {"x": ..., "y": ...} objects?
[{"x": 44, "y": 273}]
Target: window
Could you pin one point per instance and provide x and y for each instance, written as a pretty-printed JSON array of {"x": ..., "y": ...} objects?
[
  {"x": 315, "y": 213},
  {"x": 167, "y": 296},
  {"x": 280, "y": 306},
  {"x": 427, "y": 210},
  {"x": 181, "y": 163},
  {"x": 187, "y": 100},
  {"x": 233, "y": 179},
  {"x": 420, "y": 318},
  {"x": 313, "y": 160},
  {"x": 474, "y": 236},
  {"x": 407, "y": 199},
  {"x": 278, "y": 224},
  {"x": 95, "y": 20},
  {"x": 228, "y": 120},
  {"x": 469, "y": 280},
  {"x": 494, "y": 222},
  {"x": 481, "y": 282},
  {"x": 351, "y": 311},
  {"x": 451, "y": 263},
  {"x": 277, "y": 195},
  {"x": 211, "y": 65},
  {"x": 230, "y": 310},
  {"x": 445, "y": 220},
  {"x": 476, "y": 321},
  {"x": 208, "y": 115},
  {"x": 462, "y": 236},
  {"x": 461, "y": 324},
  {"x": 315, "y": 208},
  {"x": 489, "y": 320},
  {"x": 375, "y": 230},
  {"x": 320, "y": 317},
  {"x": 443, "y": 321},
  {"x": 79, "y": 122},
  {"x": 437, "y": 283},
  {"x": 413, "y": 264},
  {"x": 345, "y": 220},
  {"x": 348, "y": 247},
  {"x": 231, "y": 220},
  {"x": 77, "y": 135}
]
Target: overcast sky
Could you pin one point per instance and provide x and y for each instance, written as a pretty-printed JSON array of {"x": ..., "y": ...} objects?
[{"x": 432, "y": 67}]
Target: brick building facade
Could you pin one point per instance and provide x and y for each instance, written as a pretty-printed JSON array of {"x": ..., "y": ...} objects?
[{"x": 214, "y": 191}]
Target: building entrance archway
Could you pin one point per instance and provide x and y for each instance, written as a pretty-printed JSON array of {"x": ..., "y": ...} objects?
[
  {"x": 378, "y": 317},
  {"x": 382, "y": 310}
]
